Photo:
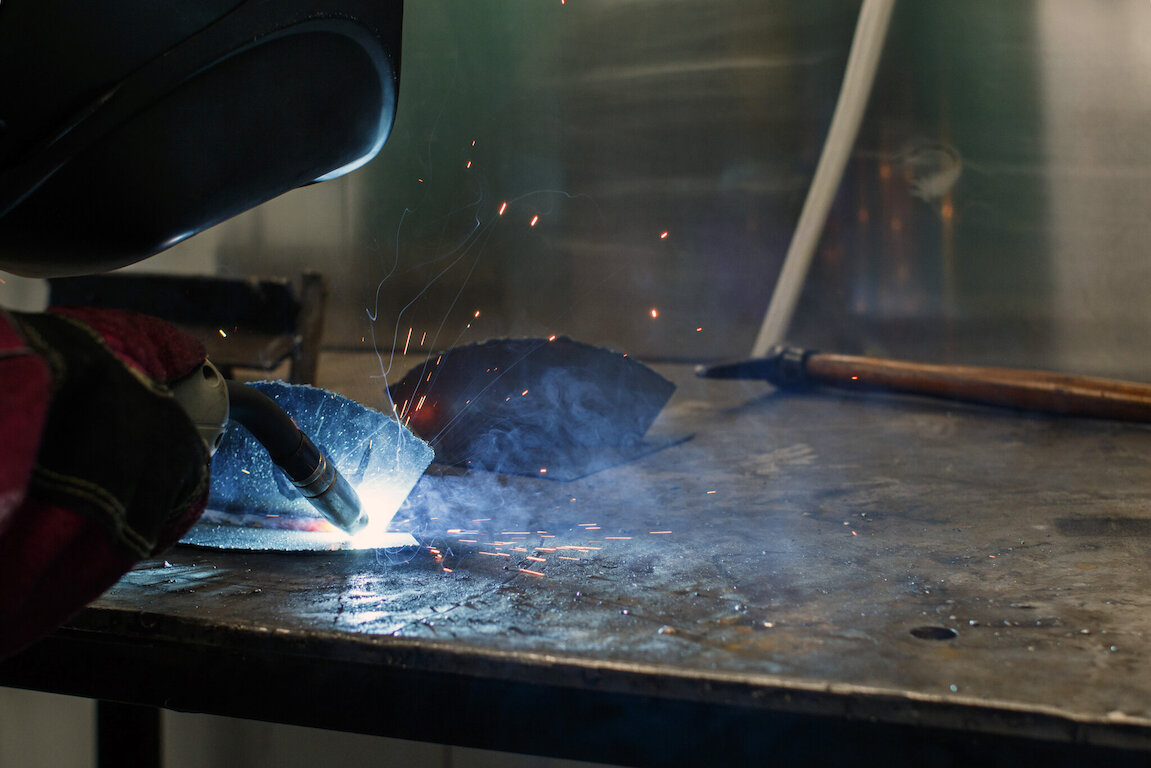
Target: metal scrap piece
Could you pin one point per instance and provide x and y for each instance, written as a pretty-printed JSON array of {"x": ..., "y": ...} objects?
[
  {"x": 380, "y": 457},
  {"x": 556, "y": 408}
]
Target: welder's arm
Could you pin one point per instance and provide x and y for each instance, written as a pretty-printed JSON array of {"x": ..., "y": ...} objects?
[{"x": 99, "y": 467}]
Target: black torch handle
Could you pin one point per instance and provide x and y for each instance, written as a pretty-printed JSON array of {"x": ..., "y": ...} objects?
[
  {"x": 287, "y": 445},
  {"x": 295, "y": 453}
]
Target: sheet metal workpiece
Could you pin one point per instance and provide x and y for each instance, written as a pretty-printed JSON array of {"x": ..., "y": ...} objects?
[
  {"x": 831, "y": 573},
  {"x": 372, "y": 452}
]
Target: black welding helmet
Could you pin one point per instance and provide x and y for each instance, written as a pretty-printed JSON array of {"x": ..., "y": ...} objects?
[{"x": 129, "y": 125}]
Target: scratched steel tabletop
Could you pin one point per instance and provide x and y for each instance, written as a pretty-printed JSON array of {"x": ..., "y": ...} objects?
[{"x": 882, "y": 563}]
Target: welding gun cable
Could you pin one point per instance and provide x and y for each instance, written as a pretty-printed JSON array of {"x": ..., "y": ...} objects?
[
  {"x": 295, "y": 453},
  {"x": 854, "y": 93}
]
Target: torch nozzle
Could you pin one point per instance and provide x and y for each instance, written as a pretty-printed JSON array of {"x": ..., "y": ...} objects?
[
  {"x": 331, "y": 494},
  {"x": 295, "y": 453}
]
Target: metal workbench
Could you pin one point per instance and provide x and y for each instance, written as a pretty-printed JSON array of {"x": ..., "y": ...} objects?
[{"x": 807, "y": 577}]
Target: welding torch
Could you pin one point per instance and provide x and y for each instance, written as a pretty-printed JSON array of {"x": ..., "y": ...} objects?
[{"x": 212, "y": 402}]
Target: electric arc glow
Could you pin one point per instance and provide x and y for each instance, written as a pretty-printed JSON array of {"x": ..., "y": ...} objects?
[{"x": 381, "y": 503}]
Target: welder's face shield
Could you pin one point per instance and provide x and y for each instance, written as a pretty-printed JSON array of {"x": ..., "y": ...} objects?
[{"x": 128, "y": 127}]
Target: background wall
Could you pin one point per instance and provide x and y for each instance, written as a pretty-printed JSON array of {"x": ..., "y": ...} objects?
[
  {"x": 993, "y": 209},
  {"x": 39, "y": 730}
]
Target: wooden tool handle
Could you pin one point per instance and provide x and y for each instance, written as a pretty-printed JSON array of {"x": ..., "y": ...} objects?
[{"x": 1023, "y": 389}]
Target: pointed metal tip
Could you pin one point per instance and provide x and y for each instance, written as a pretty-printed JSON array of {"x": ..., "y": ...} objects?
[{"x": 744, "y": 369}]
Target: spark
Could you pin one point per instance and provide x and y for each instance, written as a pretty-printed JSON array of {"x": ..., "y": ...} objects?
[
  {"x": 469, "y": 164},
  {"x": 407, "y": 341},
  {"x": 533, "y": 573},
  {"x": 420, "y": 404},
  {"x": 587, "y": 525},
  {"x": 419, "y": 180},
  {"x": 515, "y": 533},
  {"x": 698, "y": 330},
  {"x": 535, "y": 220},
  {"x": 246, "y": 472},
  {"x": 663, "y": 235},
  {"x": 654, "y": 313},
  {"x": 535, "y": 559},
  {"x": 564, "y": 557},
  {"x": 448, "y": 570},
  {"x": 658, "y": 533},
  {"x": 711, "y": 492},
  {"x": 424, "y": 336},
  {"x": 524, "y": 393},
  {"x": 221, "y": 330},
  {"x": 481, "y": 520},
  {"x": 503, "y": 207},
  {"x": 496, "y": 554},
  {"x": 617, "y": 538},
  {"x": 855, "y": 378},
  {"x": 552, "y": 337},
  {"x": 543, "y": 470},
  {"x": 473, "y": 142},
  {"x": 477, "y": 314}
]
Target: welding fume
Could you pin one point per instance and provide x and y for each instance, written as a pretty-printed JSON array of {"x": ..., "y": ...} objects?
[{"x": 125, "y": 128}]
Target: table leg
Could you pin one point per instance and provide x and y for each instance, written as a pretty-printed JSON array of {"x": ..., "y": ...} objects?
[{"x": 127, "y": 735}]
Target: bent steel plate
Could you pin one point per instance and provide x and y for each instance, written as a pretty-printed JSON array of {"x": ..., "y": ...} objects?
[
  {"x": 238, "y": 537},
  {"x": 254, "y": 506},
  {"x": 553, "y": 408}
]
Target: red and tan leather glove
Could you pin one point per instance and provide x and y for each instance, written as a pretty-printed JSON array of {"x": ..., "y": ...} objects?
[{"x": 99, "y": 466}]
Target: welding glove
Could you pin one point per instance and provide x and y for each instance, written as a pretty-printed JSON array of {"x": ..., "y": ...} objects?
[{"x": 99, "y": 467}]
